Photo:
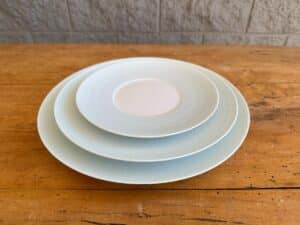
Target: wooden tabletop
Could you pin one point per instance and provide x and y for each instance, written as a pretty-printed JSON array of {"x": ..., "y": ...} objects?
[{"x": 259, "y": 185}]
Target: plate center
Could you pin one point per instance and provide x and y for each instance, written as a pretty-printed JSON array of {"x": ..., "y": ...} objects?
[{"x": 146, "y": 97}]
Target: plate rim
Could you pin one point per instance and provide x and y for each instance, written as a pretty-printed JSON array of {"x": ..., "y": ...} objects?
[
  {"x": 150, "y": 136},
  {"x": 74, "y": 77},
  {"x": 243, "y": 137}
]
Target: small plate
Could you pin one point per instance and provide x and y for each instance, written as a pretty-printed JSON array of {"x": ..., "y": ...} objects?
[
  {"x": 147, "y": 98},
  {"x": 105, "y": 144},
  {"x": 137, "y": 173}
]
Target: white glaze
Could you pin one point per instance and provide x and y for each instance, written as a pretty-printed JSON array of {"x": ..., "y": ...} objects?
[{"x": 146, "y": 97}]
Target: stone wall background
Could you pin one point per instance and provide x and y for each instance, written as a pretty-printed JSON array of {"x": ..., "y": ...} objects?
[{"x": 261, "y": 22}]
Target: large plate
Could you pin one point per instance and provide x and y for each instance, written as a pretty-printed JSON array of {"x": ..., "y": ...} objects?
[
  {"x": 147, "y": 97},
  {"x": 137, "y": 173},
  {"x": 102, "y": 143}
]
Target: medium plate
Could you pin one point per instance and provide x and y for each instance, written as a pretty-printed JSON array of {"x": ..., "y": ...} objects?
[
  {"x": 137, "y": 173},
  {"x": 105, "y": 144},
  {"x": 147, "y": 97}
]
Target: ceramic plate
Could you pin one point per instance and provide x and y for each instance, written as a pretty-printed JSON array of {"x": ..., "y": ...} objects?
[
  {"x": 147, "y": 98},
  {"x": 105, "y": 144},
  {"x": 137, "y": 173}
]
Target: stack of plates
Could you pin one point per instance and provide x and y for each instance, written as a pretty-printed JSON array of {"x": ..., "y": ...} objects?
[{"x": 143, "y": 120}]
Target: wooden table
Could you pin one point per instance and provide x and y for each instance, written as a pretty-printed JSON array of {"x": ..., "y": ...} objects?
[{"x": 259, "y": 185}]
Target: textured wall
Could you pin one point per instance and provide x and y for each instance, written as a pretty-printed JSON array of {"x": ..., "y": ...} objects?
[{"x": 270, "y": 22}]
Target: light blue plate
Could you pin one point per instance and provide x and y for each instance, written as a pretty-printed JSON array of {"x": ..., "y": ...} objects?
[
  {"x": 102, "y": 143},
  {"x": 137, "y": 173},
  {"x": 197, "y": 97}
]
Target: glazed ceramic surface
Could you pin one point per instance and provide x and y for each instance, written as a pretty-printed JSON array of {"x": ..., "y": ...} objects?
[
  {"x": 102, "y": 143},
  {"x": 137, "y": 173},
  {"x": 147, "y": 97}
]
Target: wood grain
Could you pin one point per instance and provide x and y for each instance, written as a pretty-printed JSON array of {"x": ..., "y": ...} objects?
[
  {"x": 260, "y": 184},
  {"x": 273, "y": 207}
]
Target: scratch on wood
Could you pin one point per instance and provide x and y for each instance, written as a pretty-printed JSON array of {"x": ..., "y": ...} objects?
[
  {"x": 141, "y": 213},
  {"x": 272, "y": 114},
  {"x": 98, "y": 223},
  {"x": 215, "y": 220},
  {"x": 208, "y": 220},
  {"x": 237, "y": 222},
  {"x": 259, "y": 104}
]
